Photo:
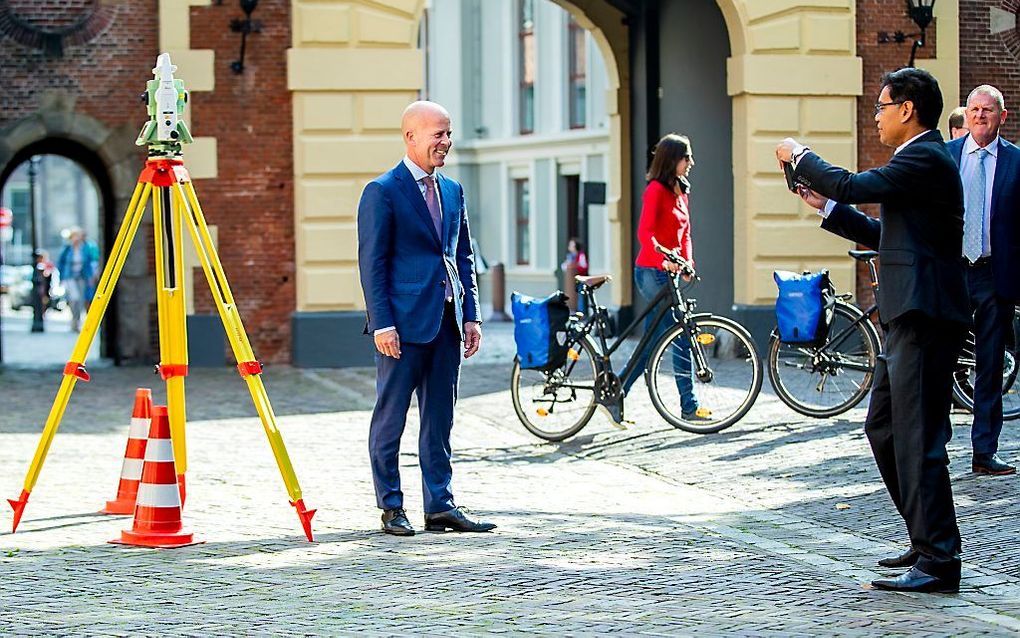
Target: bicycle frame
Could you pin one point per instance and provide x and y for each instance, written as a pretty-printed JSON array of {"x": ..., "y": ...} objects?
[
  {"x": 842, "y": 335},
  {"x": 597, "y": 321}
]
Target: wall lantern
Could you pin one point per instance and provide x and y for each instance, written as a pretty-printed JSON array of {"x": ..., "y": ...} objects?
[
  {"x": 921, "y": 12},
  {"x": 244, "y": 26}
]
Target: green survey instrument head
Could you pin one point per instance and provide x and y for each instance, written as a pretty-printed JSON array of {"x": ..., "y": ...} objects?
[{"x": 165, "y": 98}]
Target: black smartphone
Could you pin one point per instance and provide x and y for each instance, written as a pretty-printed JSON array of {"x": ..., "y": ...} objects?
[{"x": 791, "y": 183}]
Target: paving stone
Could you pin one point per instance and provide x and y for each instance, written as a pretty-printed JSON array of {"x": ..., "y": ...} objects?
[{"x": 648, "y": 531}]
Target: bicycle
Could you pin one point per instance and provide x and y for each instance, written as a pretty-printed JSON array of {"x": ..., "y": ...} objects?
[
  {"x": 830, "y": 379},
  {"x": 725, "y": 367}
]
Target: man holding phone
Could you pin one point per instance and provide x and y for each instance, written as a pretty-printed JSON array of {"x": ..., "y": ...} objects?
[{"x": 923, "y": 305}]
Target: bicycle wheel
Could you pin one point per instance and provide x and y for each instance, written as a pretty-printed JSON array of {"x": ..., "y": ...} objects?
[
  {"x": 556, "y": 405},
  {"x": 727, "y": 385},
  {"x": 828, "y": 380},
  {"x": 964, "y": 376}
]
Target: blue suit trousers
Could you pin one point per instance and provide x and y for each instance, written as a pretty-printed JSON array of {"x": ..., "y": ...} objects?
[{"x": 431, "y": 371}]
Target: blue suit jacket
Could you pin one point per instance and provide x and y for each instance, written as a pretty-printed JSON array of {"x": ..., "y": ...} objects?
[
  {"x": 1005, "y": 224},
  {"x": 403, "y": 262}
]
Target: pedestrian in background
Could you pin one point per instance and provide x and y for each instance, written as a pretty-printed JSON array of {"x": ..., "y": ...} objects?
[
  {"x": 77, "y": 263},
  {"x": 922, "y": 303},
  {"x": 991, "y": 231},
  {"x": 958, "y": 123},
  {"x": 42, "y": 283},
  {"x": 666, "y": 218},
  {"x": 576, "y": 256}
]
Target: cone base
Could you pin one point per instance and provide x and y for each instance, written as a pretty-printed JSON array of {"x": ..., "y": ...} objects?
[
  {"x": 156, "y": 540},
  {"x": 119, "y": 507}
]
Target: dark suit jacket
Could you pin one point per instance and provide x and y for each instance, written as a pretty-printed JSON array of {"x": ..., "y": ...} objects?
[
  {"x": 919, "y": 235},
  {"x": 1005, "y": 224},
  {"x": 404, "y": 263}
]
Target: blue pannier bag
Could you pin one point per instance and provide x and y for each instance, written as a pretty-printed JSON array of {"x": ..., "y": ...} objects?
[
  {"x": 805, "y": 307},
  {"x": 540, "y": 330}
]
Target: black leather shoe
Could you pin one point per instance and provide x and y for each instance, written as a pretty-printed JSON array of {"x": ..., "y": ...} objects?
[
  {"x": 456, "y": 521},
  {"x": 991, "y": 464},
  {"x": 395, "y": 522},
  {"x": 906, "y": 559},
  {"x": 918, "y": 581}
]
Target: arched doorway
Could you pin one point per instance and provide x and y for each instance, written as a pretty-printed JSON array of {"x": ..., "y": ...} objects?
[
  {"x": 684, "y": 90},
  {"x": 72, "y": 190}
]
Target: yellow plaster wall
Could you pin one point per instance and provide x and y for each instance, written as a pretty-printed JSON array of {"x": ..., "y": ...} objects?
[
  {"x": 352, "y": 69},
  {"x": 946, "y": 67},
  {"x": 794, "y": 72},
  {"x": 195, "y": 67}
]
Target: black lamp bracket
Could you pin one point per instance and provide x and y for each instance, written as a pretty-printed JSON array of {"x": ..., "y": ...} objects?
[{"x": 244, "y": 26}]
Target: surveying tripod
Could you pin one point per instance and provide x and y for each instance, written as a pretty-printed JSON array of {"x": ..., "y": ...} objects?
[{"x": 166, "y": 183}]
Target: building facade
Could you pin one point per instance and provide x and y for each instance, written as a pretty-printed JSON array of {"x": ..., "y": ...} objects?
[
  {"x": 285, "y": 147},
  {"x": 528, "y": 134}
]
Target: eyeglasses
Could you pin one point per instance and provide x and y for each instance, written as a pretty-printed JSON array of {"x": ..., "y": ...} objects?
[{"x": 881, "y": 105}]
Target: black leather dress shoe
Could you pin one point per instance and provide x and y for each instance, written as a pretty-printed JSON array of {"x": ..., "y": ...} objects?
[
  {"x": 991, "y": 464},
  {"x": 906, "y": 559},
  {"x": 395, "y": 522},
  {"x": 917, "y": 581},
  {"x": 456, "y": 521}
]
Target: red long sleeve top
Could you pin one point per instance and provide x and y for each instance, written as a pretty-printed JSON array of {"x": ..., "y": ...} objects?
[{"x": 665, "y": 216}]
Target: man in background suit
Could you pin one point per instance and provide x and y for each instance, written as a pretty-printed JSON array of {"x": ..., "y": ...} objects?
[
  {"x": 958, "y": 123},
  {"x": 922, "y": 302},
  {"x": 991, "y": 239},
  {"x": 417, "y": 273}
]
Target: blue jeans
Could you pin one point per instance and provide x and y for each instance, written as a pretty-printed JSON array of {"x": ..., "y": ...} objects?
[{"x": 649, "y": 282}]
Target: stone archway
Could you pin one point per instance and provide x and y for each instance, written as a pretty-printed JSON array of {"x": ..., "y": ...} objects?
[{"x": 113, "y": 159}]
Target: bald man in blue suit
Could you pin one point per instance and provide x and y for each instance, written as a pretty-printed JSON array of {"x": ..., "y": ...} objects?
[{"x": 421, "y": 295}]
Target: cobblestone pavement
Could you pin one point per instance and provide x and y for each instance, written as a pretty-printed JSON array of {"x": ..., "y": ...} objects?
[{"x": 767, "y": 529}]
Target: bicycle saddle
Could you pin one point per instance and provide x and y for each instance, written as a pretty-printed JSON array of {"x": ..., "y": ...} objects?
[
  {"x": 862, "y": 255},
  {"x": 592, "y": 282}
]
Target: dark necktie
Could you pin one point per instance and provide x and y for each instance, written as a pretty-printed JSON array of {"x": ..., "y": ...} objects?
[{"x": 432, "y": 202}]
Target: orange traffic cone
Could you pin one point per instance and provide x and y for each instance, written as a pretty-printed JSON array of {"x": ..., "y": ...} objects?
[
  {"x": 134, "y": 456},
  {"x": 158, "y": 509}
]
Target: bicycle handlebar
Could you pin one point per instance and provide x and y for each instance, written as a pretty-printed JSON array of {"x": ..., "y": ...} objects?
[{"x": 686, "y": 267}]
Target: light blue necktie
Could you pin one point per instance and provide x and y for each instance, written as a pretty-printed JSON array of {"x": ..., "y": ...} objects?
[{"x": 974, "y": 215}]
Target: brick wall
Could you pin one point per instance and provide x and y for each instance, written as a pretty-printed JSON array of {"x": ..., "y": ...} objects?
[
  {"x": 987, "y": 58},
  {"x": 252, "y": 199},
  {"x": 874, "y": 16},
  {"x": 104, "y": 75},
  {"x": 103, "y": 69}
]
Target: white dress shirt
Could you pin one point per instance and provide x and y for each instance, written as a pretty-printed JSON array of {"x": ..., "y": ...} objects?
[
  {"x": 419, "y": 174},
  {"x": 830, "y": 204},
  {"x": 968, "y": 166}
]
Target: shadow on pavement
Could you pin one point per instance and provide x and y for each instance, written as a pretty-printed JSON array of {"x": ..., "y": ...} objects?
[{"x": 543, "y": 571}]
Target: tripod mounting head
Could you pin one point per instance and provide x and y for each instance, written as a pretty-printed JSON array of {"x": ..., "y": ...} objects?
[{"x": 165, "y": 97}]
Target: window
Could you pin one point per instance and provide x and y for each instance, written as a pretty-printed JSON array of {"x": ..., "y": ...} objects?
[
  {"x": 522, "y": 234},
  {"x": 526, "y": 66},
  {"x": 577, "y": 87}
]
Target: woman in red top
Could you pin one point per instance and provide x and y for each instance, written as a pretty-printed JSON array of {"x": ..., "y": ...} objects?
[{"x": 665, "y": 215}]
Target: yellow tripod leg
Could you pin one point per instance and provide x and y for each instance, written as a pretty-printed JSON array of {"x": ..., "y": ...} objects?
[
  {"x": 171, "y": 311},
  {"x": 75, "y": 368},
  {"x": 249, "y": 368}
]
